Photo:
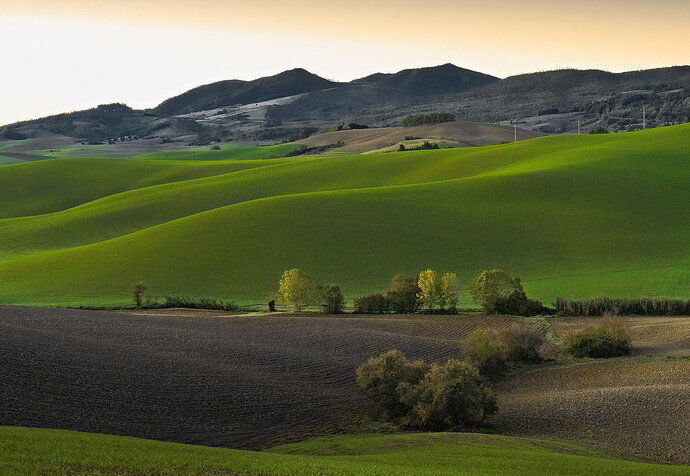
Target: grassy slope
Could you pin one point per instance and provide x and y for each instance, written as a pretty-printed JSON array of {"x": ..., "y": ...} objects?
[
  {"x": 574, "y": 215},
  {"x": 36, "y": 451}
]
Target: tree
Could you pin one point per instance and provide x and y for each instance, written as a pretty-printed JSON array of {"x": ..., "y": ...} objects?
[
  {"x": 296, "y": 288},
  {"x": 138, "y": 289},
  {"x": 485, "y": 354},
  {"x": 493, "y": 285},
  {"x": 449, "y": 396},
  {"x": 450, "y": 289},
  {"x": 381, "y": 376},
  {"x": 332, "y": 300},
  {"x": 429, "y": 289},
  {"x": 402, "y": 295}
]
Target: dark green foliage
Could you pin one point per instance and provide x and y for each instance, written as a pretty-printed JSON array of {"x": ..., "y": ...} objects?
[
  {"x": 450, "y": 396},
  {"x": 403, "y": 295},
  {"x": 628, "y": 307},
  {"x": 304, "y": 150},
  {"x": 354, "y": 125},
  {"x": 485, "y": 354},
  {"x": 332, "y": 300},
  {"x": 204, "y": 303},
  {"x": 380, "y": 377},
  {"x": 371, "y": 304},
  {"x": 11, "y": 134},
  {"x": 608, "y": 339},
  {"x": 416, "y": 396},
  {"x": 433, "y": 118},
  {"x": 518, "y": 304},
  {"x": 215, "y": 147}
]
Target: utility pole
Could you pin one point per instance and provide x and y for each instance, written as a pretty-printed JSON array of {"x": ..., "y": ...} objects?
[
  {"x": 644, "y": 117},
  {"x": 578, "y": 127},
  {"x": 515, "y": 125}
]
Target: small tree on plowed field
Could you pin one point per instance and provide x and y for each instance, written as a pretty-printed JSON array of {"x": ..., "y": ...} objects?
[{"x": 297, "y": 289}]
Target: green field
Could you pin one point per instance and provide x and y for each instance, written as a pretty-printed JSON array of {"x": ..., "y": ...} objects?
[
  {"x": 575, "y": 216},
  {"x": 37, "y": 451}
]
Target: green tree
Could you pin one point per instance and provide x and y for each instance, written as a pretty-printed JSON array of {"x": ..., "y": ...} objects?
[
  {"x": 296, "y": 288},
  {"x": 332, "y": 300},
  {"x": 429, "y": 289},
  {"x": 402, "y": 295},
  {"x": 493, "y": 285},
  {"x": 450, "y": 290}
]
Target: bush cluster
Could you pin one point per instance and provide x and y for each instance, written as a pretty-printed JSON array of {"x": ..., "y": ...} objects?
[
  {"x": 203, "y": 303},
  {"x": 433, "y": 118},
  {"x": 499, "y": 293},
  {"x": 608, "y": 339},
  {"x": 493, "y": 354},
  {"x": 425, "y": 397},
  {"x": 371, "y": 304},
  {"x": 643, "y": 307}
]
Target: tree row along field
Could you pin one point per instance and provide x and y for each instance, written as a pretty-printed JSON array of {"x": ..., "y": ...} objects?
[
  {"x": 574, "y": 216},
  {"x": 247, "y": 381}
]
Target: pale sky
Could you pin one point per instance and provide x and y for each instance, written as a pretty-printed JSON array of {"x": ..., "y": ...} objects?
[{"x": 63, "y": 55}]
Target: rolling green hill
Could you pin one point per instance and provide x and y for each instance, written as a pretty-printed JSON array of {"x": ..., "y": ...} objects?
[
  {"x": 575, "y": 216},
  {"x": 37, "y": 451}
]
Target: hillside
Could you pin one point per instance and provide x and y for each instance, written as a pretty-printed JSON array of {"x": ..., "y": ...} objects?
[
  {"x": 296, "y": 103},
  {"x": 228, "y": 228},
  {"x": 233, "y": 92},
  {"x": 36, "y": 451}
]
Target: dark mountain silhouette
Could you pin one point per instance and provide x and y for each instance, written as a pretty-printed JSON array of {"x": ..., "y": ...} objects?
[
  {"x": 550, "y": 101},
  {"x": 234, "y": 92}
]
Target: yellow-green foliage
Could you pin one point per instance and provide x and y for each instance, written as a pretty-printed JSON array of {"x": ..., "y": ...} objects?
[{"x": 296, "y": 288}]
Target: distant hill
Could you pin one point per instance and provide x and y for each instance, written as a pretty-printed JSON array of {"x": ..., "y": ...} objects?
[
  {"x": 296, "y": 103},
  {"x": 234, "y": 92},
  {"x": 444, "y": 79}
]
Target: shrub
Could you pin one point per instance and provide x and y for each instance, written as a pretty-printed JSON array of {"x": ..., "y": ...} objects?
[
  {"x": 371, "y": 304},
  {"x": 296, "y": 288},
  {"x": 450, "y": 289},
  {"x": 517, "y": 304},
  {"x": 521, "y": 343},
  {"x": 485, "y": 354},
  {"x": 492, "y": 286},
  {"x": 449, "y": 396},
  {"x": 402, "y": 295},
  {"x": 380, "y": 378},
  {"x": 332, "y": 300},
  {"x": 137, "y": 290},
  {"x": 608, "y": 339},
  {"x": 429, "y": 285},
  {"x": 601, "y": 306},
  {"x": 433, "y": 118},
  {"x": 203, "y": 303},
  {"x": 215, "y": 147}
]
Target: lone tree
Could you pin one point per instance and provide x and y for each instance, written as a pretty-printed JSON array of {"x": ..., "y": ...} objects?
[
  {"x": 138, "y": 289},
  {"x": 332, "y": 300},
  {"x": 429, "y": 289},
  {"x": 492, "y": 286},
  {"x": 296, "y": 288}
]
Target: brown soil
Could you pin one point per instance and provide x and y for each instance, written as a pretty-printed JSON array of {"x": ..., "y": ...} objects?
[
  {"x": 251, "y": 381},
  {"x": 467, "y": 133}
]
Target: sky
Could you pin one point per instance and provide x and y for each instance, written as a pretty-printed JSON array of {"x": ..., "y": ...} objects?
[{"x": 65, "y": 55}]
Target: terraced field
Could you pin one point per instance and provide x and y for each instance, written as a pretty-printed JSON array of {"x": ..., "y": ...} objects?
[
  {"x": 575, "y": 216},
  {"x": 253, "y": 381}
]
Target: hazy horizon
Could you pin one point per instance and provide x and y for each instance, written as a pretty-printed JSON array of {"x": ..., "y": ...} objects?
[{"x": 75, "y": 54}]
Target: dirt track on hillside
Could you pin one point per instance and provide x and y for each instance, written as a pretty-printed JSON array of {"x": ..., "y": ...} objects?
[{"x": 255, "y": 381}]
